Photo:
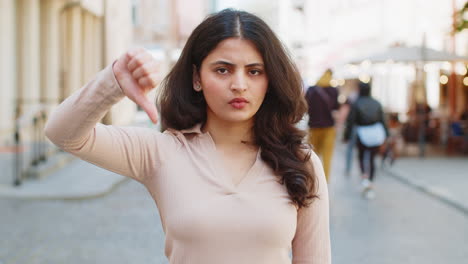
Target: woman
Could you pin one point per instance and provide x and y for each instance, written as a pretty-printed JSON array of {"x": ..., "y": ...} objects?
[
  {"x": 367, "y": 117},
  {"x": 230, "y": 177},
  {"x": 322, "y": 100}
]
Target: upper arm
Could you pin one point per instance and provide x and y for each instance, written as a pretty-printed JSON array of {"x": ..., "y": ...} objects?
[{"x": 311, "y": 242}]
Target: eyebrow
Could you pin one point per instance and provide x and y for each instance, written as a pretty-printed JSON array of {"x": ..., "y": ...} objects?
[{"x": 232, "y": 64}]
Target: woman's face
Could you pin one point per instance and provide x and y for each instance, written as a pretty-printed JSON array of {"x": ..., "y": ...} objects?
[{"x": 233, "y": 81}]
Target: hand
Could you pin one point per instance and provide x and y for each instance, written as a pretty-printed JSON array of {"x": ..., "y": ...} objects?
[{"x": 136, "y": 72}]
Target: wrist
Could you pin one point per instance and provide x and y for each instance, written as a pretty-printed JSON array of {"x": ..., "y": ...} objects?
[
  {"x": 117, "y": 73},
  {"x": 115, "y": 68}
]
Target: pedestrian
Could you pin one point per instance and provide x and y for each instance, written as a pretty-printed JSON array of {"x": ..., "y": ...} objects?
[
  {"x": 231, "y": 178},
  {"x": 322, "y": 100},
  {"x": 367, "y": 117}
]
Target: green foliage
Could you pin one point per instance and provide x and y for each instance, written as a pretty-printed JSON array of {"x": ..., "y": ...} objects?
[{"x": 461, "y": 23}]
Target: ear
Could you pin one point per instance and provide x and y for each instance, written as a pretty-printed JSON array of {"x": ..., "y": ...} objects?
[{"x": 195, "y": 77}]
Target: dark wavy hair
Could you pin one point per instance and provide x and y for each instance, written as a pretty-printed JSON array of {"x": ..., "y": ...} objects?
[{"x": 282, "y": 147}]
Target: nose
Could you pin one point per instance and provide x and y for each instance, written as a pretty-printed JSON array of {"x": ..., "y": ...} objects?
[{"x": 239, "y": 82}]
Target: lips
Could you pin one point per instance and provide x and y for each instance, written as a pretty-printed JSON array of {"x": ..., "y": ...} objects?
[
  {"x": 238, "y": 100},
  {"x": 238, "y": 103}
]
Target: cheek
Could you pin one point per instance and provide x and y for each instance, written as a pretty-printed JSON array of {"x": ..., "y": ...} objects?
[
  {"x": 213, "y": 90},
  {"x": 210, "y": 84},
  {"x": 212, "y": 98},
  {"x": 214, "y": 94}
]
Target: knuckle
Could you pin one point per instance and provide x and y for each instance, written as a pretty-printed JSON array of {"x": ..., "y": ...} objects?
[
  {"x": 143, "y": 81},
  {"x": 129, "y": 53},
  {"x": 145, "y": 70},
  {"x": 135, "y": 74},
  {"x": 138, "y": 62}
]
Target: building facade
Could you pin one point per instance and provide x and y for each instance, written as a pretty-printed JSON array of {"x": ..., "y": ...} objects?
[{"x": 50, "y": 48}]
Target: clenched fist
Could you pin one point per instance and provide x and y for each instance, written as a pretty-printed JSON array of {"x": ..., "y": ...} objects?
[{"x": 137, "y": 74}]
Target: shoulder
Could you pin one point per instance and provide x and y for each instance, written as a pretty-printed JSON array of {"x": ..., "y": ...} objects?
[
  {"x": 359, "y": 100},
  {"x": 375, "y": 101},
  {"x": 319, "y": 172},
  {"x": 152, "y": 135},
  {"x": 358, "y": 103},
  {"x": 316, "y": 163},
  {"x": 183, "y": 135},
  {"x": 310, "y": 90},
  {"x": 307, "y": 149}
]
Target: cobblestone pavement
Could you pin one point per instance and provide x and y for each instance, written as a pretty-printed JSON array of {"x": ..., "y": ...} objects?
[{"x": 401, "y": 225}]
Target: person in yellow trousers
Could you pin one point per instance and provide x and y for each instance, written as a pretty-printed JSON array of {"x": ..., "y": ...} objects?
[{"x": 322, "y": 100}]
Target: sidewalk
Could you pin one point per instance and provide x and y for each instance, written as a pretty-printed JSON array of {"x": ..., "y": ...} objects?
[
  {"x": 76, "y": 180},
  {"x": 444, "y": 178}
]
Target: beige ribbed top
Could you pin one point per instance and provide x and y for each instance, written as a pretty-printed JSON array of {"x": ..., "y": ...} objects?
[{"x": 206, "y": 218}]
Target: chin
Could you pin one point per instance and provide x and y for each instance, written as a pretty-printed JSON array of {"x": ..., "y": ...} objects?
[{"x": 237, "y": 117}]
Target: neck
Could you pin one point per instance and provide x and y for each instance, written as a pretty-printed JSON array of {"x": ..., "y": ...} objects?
[{"x": 229, "y": 134}]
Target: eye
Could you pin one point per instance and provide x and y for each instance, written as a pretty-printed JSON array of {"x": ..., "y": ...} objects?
[
  {"x": 222, "y": 70},
  {"x": 255, "y": 72}
]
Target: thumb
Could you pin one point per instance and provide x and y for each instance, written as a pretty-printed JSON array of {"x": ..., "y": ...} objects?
[{"x": 149, "y": 108}]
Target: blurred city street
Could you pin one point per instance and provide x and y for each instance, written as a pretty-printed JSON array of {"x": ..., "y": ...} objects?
[
  {"x": 407, "y": 58},
  {"x": 401, "y": 225}
]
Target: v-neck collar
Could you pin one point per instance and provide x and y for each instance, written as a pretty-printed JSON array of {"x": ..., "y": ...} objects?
[
  {"x": 220, "y": 168},
  {"x": 217, "y": 163}
]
